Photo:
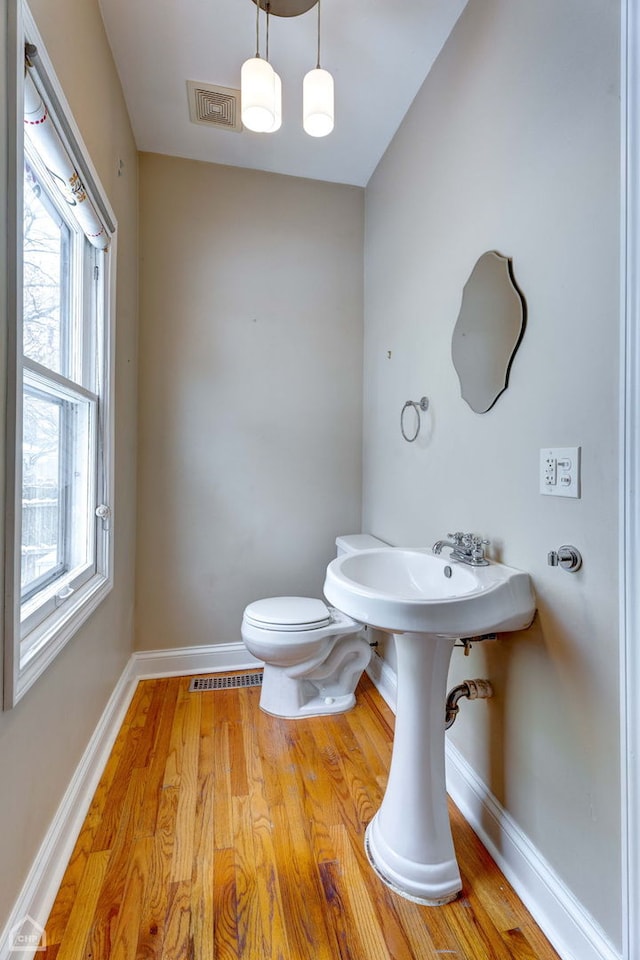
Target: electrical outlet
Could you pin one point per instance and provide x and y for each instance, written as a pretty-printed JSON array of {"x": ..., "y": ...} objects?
[
  {"x": 550, "y": 471},
  {"x": 560, "y": 471}
]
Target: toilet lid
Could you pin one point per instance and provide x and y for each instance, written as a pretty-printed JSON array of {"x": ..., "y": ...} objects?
[{"x": 288, "y": 613}]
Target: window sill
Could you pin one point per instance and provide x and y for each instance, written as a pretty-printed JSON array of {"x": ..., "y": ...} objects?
[{"x": 47, "y": 640}]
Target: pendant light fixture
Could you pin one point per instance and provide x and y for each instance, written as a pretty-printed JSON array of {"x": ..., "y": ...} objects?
[
  {"x": 261, "y": 87},
  {"x": 258, "y": 89},
  {"x": 317, "y": 98}
]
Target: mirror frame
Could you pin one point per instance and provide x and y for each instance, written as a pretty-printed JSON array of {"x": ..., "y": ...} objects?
[{"x": 469, "y": 321}]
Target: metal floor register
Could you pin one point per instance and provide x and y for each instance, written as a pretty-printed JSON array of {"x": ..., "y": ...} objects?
[{"x": 225, "y": 683}]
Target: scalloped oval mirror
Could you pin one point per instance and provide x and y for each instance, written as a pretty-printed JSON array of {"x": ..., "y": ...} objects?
[{"x": 488, "y": 331}]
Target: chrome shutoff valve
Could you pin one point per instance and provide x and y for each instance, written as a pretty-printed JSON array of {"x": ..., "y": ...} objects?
[{"x": 567, "y": 557}]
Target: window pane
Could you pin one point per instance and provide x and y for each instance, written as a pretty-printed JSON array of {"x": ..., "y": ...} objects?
[
  {"x": 46, "y": 277},
  {"x": 58, "y": 486},
  {"x": 42, "y": 506}
]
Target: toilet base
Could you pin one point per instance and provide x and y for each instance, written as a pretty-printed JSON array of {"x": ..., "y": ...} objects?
[
  {"x": 291, "y": 698},
  {"x": 316, "y": 708}
]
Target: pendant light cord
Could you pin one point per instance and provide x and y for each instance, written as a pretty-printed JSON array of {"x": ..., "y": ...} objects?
[
  {"x": 318, "y": 63},
  {"x": 257, "y": 29},
  {"x": 268, "y": 9}
]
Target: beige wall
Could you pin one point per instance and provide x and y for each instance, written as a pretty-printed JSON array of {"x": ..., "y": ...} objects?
[
  {"x": 513, "y": 144},
  {"x": 42, "y": 739},
  {"x": 250, "y": 392}
]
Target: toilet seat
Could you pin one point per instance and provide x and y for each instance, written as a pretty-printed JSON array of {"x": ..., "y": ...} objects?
[{"x": 284, "y": 614}]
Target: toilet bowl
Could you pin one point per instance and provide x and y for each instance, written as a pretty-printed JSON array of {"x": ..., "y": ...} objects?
[{"x": 313, "y": 654}]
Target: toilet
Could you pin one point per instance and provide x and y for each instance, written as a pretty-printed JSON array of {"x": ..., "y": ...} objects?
[{"x": 313, "y": 654}]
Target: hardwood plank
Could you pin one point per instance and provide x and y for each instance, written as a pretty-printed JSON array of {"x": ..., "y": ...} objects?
[
  {"x": 332, "y": 888},
  {"x": 206, "y": 750},
  {"x": 358, "y": 891},
  {"x": 107, "y": 908},
  {"x": 238, "y": 771},
  {"x": 108, "y": 825},
  {"x": 405, "y": 935},
  {"x": 223, "y": 823},
  {"x": 271, "y": 733},
  {"x": 72, "y": 946},
  {"x": 225, "y": 908},
  {"x": 178, "y": 922},
  {"x": 248, "y": 925},
  {"x": 346, "y": 766},
  {"x": 320, "y": 809},
  {"x": 155, "y": 900},
  {"x": 260, "y": 829},
  {"x": 308, "y": 930},
  {"x": 126, "y": 932},
  {"x": 202, "y": 895},
  {"x": 202, "y": 889},
  {"x": 182, "y": 863},
  {"x": 240, "y": 835},
  {"x": 173, "y": 761},
  {"x": 158, "y": 761}
]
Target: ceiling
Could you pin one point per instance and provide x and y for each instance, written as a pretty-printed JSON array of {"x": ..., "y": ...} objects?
[{"x": 379, "y": 52}]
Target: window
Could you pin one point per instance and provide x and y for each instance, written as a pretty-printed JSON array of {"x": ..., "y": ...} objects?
[{"x": 59, "y": 549}]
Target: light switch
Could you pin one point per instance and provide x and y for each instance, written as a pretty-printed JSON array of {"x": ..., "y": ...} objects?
[{"x": 560, "y": 471}]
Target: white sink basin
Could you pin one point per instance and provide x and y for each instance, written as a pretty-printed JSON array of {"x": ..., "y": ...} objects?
[
  {"x": 411, "y": 590},
  {"x": 426, "y": 602}
]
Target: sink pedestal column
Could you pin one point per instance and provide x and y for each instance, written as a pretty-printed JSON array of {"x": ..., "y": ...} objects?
[{"x": 409, "y": 841}]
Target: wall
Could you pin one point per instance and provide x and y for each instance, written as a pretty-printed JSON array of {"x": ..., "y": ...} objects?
[
  {"x": 250, "y": 392},
  {"x": 43, "y": 737},
  {"x": 513, "y": 144}
]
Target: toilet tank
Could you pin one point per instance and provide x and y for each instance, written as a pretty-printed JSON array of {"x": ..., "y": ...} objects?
[{"x": 355, "y": 542}]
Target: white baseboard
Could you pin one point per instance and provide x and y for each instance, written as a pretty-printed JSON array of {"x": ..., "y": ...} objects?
[
  {"x": 571, "y": 930},
  {"x": 43, "y": 881},
  {"x": 186, "y": 661},
  {"x": 384, "y": 679}
]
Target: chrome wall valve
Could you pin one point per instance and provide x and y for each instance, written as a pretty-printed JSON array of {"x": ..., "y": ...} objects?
[{"x": 567, "y": 557}]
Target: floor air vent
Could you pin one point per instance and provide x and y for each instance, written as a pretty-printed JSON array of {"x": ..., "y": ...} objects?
[
  {"x": 226, "y": 683},
  {"x": 214, "y": 106}
]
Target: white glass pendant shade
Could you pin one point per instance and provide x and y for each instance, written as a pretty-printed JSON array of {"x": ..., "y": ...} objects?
[
  {"x": 258, "y": 95},
  {"x": 277, "y": 123},
  {"x": 317, "y": 103}
]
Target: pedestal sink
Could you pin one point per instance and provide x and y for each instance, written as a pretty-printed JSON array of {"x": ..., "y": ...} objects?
[{"x": 426, "y": 602}]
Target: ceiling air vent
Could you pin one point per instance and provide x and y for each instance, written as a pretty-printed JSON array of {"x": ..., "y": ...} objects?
[{"x": 214, "y": 106}]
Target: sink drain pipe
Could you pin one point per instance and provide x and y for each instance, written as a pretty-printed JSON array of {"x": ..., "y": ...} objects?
[{"x": 472, "y": 690}]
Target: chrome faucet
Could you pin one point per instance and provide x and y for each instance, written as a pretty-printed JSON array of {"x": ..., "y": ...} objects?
[
  {"x": 455, "y": 544},
  {"x": 465, "y": 547}
]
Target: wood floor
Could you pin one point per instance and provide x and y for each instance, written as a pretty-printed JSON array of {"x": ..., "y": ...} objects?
[{"x": 220, "y": 832}]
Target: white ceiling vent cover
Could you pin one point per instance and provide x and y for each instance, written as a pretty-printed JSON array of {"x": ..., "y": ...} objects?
[{"x": 214, "y": 106}]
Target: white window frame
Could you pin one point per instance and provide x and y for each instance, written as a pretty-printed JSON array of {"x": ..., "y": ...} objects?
[{"x": 27, "y": 655}]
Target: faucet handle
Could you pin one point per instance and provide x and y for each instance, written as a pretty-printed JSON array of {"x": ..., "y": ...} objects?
[
  {"x": 478, "y": 541},
  {"x": 477, "y": 550},
  {"x": 457, "y": 537}
]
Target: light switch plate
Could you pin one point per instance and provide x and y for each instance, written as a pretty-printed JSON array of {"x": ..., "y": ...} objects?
[{"x": 560, "y": 471}]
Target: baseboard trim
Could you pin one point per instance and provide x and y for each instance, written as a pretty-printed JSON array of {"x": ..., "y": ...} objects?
[
  {"x": 43, "y": 881},
  {"x": 384, "y": 679},
  {"x": 186, "y": 661},
  {"x": 571, "y": 930},
  {"x": 569, "y": 927}
]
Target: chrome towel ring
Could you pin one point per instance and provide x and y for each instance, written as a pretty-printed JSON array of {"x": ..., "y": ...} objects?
[{"x": 418, "y": 406}]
